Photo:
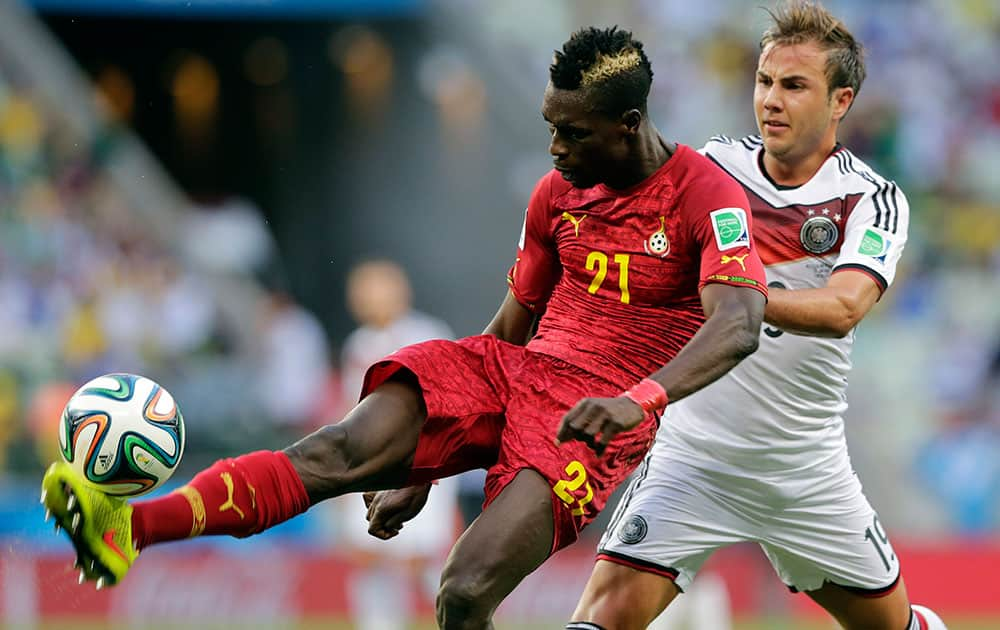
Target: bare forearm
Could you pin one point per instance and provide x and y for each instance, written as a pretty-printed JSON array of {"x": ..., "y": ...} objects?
[
  {"x": 721, "y": 343},
  {"x": 512, "y": 323},
  {"x": 729, "y": 334},
  {"x": 515, "y": 334},
  {"x": 822, "y": 312}
]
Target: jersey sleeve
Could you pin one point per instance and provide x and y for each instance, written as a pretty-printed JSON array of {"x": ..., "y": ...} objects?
[
  {"x": 875, "y": 235},
  {"x": 724, "y": 234},
  {"x": 536, "y": 268},
  {"x": 714, "y": 143}
]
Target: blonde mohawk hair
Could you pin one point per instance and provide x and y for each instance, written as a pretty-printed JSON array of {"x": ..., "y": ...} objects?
[
  {"x": 608, "y": 66},
  {"x": 609, "y": 59}
]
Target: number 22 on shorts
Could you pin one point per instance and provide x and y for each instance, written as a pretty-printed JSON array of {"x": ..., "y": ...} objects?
[{"x": 564, "y": 488}]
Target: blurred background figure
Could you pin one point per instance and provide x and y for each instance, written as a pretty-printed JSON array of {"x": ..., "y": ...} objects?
[
  {"x": 703, "y": 606},
  {"x": 391, "y": 574},
  {"x": 379, "y": 298},
  {"x": 294, "y": 364}
]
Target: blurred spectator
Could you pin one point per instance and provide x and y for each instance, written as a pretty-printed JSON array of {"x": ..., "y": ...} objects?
[
  {"x": 229, "y": 236},
  {"x": 42, "y": 417},
  {"x": 294, "y": 364},
  {"x": 8, "y": 412},
  {"x": 961, "y": 465},
  {"x": 86, "y": 287},
  {"x": 703, "y": 606},
  {"x": 379, "y": 297}
]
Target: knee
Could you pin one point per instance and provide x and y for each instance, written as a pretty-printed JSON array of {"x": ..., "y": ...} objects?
[{"x": 464, "y": 599}]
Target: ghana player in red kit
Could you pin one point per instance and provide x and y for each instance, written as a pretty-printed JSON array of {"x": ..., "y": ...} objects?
[{"x": 636, "y": 254}]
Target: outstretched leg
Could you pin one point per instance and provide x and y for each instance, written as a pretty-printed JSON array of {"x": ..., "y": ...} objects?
[
  {"x": 372, "y": 448},
  {"x": 509, "y": 540}
]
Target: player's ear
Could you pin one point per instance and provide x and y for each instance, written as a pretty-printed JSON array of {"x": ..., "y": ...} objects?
[
  {"x": 842, "y": 98},
  {"x": 631, "y": 120}
]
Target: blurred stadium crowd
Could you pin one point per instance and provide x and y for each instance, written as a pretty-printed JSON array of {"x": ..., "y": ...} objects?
[{"x": 87, "y": 286}]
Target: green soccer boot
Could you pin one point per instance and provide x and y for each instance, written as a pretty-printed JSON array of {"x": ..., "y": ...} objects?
[{"x": 98, "y": 525}]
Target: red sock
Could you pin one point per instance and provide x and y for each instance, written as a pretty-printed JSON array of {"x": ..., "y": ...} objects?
[{"x": 239, "y": 497}]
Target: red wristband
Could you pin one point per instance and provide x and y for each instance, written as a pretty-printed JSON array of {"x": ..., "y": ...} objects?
[{"x": 649, "y": 395}]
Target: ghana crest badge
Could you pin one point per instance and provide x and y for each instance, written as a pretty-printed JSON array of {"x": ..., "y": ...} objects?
[
  {"x": 658, "y": 244},
  {"x": 819, "y": 234}
]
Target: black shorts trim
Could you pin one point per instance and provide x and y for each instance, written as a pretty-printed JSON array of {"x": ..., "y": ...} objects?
[
  {"x": 640, "y": 565},
  {"x": 872, "y": 593}
]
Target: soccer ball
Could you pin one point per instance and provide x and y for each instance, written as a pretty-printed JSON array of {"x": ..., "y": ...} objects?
[{"x": 123, "y": 433}]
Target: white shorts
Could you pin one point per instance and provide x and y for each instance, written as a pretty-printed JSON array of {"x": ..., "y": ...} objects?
[{"x": 815, "y": 527}]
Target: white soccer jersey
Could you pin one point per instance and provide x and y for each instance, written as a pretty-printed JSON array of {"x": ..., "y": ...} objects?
[{"x": 780, "y": 409}]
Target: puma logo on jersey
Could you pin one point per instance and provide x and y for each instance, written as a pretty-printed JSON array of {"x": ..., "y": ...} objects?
[
  {"x": 576, "y": 222},
  {"x": 229, "y": 503},
  {"x": 738, "y": 259}
]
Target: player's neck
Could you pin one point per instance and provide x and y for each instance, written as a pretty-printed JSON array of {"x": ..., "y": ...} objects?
[
  {"x": 651, "y": 152},
  {"x": 796, "y": 170}
]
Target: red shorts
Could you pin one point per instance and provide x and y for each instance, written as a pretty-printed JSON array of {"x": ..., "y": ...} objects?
[{"x": 494, "y": 405}]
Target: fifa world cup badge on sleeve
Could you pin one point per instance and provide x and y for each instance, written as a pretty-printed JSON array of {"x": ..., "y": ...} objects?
[
  {"x": 730, "y": 226},
  {"x": 875, "y": 244}
]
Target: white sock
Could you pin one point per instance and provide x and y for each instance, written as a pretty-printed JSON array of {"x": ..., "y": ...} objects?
[{"x": 930, "y": 619}]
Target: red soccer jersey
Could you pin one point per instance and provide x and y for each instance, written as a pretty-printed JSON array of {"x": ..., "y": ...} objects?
[{"x": 617, "y": 272}]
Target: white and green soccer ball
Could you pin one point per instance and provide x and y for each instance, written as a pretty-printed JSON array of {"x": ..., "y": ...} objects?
[{"x": 123, "y": 433}]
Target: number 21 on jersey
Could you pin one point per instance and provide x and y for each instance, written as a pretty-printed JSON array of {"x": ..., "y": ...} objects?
[{"x": 598, "y": 263}]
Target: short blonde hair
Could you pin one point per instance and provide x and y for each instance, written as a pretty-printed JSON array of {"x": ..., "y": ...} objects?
[{"x": 800, "y": 21}]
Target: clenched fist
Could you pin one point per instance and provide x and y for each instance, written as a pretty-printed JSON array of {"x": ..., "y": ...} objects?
[
  {"x": 389, "y": 509},
  {"x": 596, "y": 421}
]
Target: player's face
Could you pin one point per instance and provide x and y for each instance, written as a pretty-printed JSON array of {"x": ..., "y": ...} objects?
[
  {"x": 796, "y": 112},
  {"x": 586, "y": 146}
]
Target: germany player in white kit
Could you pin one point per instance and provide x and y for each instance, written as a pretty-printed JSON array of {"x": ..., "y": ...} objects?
[{"x": 761, "y": 455}]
